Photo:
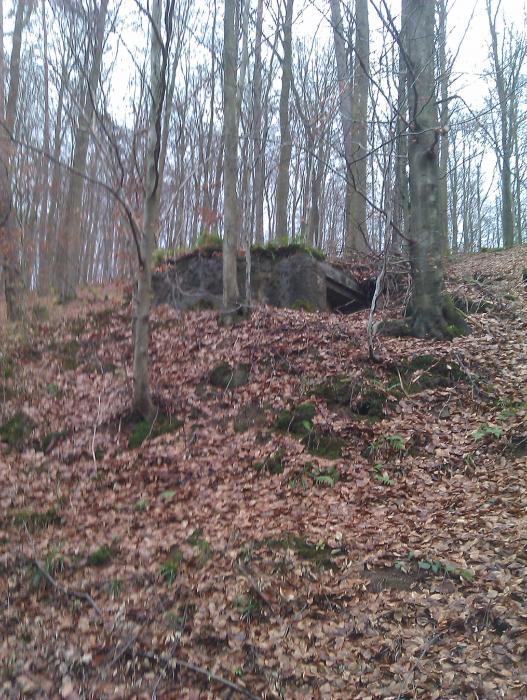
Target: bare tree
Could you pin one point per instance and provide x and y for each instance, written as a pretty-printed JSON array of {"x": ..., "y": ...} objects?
[
  {"x": 507, "y": 62},
  {"x": 282, "y": 184},
  {"x": 230, "y": 168},
  {"x": 67, "y": 263}
]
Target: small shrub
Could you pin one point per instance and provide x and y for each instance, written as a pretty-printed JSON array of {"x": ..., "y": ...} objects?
[
  {"x": 144, "y": 429},
  {"x": 53, "y": 564},
  {"x": 249, "y": 607},
  {"x": 35, "y": 521},
  {"x": 487, "y": 430},
  {"x": 169, "y": 569},
  {"x": 16, "y": 431},
  {"x": 101, "y": 556}
]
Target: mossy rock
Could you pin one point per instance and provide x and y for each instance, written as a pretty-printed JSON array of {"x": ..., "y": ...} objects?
[
  {"x": 298, "y": 421},
  {"x": 423, "y": 372},
  {"x": 35, "y": 520},
  {"x": 16, "y": 431},
  {"x": 144, "y": 429},
  {"x": 320, "y": 554},
  {"x": 225, "y": 376},
  {"x": 363, "y": 399}
]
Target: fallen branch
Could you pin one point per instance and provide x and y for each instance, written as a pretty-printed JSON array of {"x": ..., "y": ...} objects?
[
  {"x": 66, "y": 591},
  {"x": 174, "y": 661}
]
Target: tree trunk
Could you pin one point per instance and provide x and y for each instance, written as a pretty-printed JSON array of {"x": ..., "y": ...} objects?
[
  {"x": 43, "y": 251},
  {"x": 359, "y": 136},
  {"x": 346, "y": 115},
  {"x": 67, "y": 263},
  {"x": 10, "y": 250},
  {"x": 507, "y": 215},
  {"x": 444, "y": 79},
  {"x": 142, "y": 401},
  {"x": 400, "y": 200},
  {"x": 258, "y": 176},
  {"x": 282, "y": 183},
  {"x": 230, "y": 168},
  {"x": 430, "y": 314}
]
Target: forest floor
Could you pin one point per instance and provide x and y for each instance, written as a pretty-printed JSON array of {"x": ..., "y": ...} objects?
[{"x": 370, "y": 544}]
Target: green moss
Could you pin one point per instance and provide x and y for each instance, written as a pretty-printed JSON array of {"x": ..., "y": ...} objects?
[
  {"x": 423, "y": 372},
  {"x": 224, "y": 376},
  {"x": 273, "y": 464},
  {"x": 203, "y": 547},
  {"x": 169, "y": 569},
  {"x": 335, "y": 390},
  {"x": 202, "y": 305},
  {"x": 51, "y": 438},
  {"x": 303, "y": 305},
  {"x": 144, "y": 429},
  {"x": 298, "y": 421},
  {"x": 456, "y": 322},
  {"x": 319, "y": 554},
  {"x": 281, "y": 248},
  {"x": 324, "y": 445},
  {"x": 7, "y": 367},
  {"x": 168, "y": 255},
  {"x": 68, "y": 354},
  {"x": 101, "y": 557},
  {"x": 36, "y": 520},
  {"x": 472, "y": 306},
  {"x": 209, "y": 241},
  {"x": 40, "y": 313},
  {"x": 16, "y": 431}
]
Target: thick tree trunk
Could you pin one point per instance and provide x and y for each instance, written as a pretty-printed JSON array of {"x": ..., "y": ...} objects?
[
  {"x": 359, "y": 114},
  {"x": 430, "y": 314},
  {"x": 10, "y": 249},
  {"x": 230, "y": 168},
  {"x": 282, "y": 182},
  {"x": 67, "y": 262}
]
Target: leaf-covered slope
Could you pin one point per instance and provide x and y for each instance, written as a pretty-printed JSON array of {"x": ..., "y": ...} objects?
[{"x": 235, "y": 541}]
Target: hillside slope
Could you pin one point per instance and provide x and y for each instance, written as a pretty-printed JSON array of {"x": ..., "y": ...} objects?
[{"x": 300, "y": 524}]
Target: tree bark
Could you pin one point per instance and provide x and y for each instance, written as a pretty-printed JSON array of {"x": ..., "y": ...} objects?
[
  {"x": 258, "y": 145},
  {"x": 142, "y": 401},
  {"x": 282, "y": 183},
  {"x": 346, "y": 115},
  {"x": 230, "y": 167},
  {"x": 9, "y": 240},
  {"x": 444, "y": 79},
  {"x": 430, "y": 314},
  {"x": 358, "y": 226},
  {"x": 67, "y": 263}
]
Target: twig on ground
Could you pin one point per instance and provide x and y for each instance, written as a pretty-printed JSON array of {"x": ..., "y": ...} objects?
[
  {"x": 174, "y": 661},
  {"x": 66, "y": 591},
  {"x": 95, "y": 433}
]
